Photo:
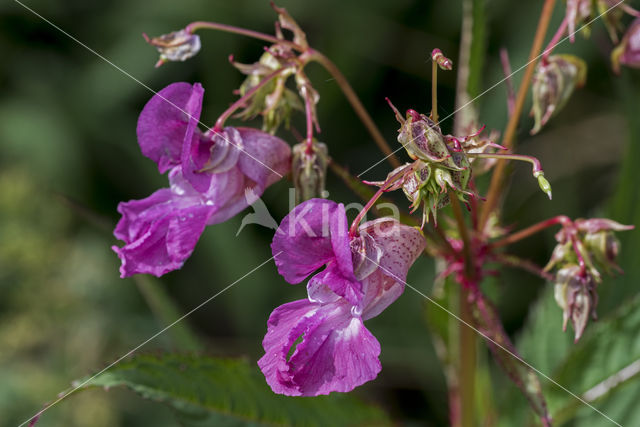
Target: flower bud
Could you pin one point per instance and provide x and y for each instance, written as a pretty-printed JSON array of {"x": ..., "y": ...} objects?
[
  {"x": 309, "y": 170},
  {"x": 555, "y": 79},
  {"x": 628, "y": 51},
  {"x": 575, "y": 294},
  {"x": 176, "y": 46},
  {"x": 543, "y": 183}
]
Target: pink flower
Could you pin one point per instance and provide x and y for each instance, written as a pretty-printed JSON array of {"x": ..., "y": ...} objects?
[
  {"x": 363, "y": 275},
  {"x": 209, "y": 173}
]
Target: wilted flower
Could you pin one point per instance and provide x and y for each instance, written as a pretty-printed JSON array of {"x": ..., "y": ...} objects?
[
  {"x": 584, "y": 247},
  {"x": 209, "y": 173},
  {"x": 177, "y": 46},
  {"x": 628, "y": 52},
  {"x": 575, "y": 293},
  {"x": 555, "y": 79},
  {"x": 319, "y": 345},
  {"x": 309, "y": 170}
]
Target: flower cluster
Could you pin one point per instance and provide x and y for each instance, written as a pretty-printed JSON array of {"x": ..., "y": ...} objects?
[
  {"x": 585, "y": 247},
  {"x": 209, "y": 173},
  {"x": 319, "y": 345}
]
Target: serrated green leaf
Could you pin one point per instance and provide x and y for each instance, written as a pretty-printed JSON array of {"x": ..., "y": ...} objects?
[
  {"x": 207, "y": 391},
  {"x": 602, "y": 362}
]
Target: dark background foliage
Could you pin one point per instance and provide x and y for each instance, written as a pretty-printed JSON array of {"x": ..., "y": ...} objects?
[{"x": 68, "y": 155}]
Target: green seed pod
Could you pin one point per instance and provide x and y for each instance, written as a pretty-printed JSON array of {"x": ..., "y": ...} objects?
[
  {"x": 554, "y": 82},
  {"x": 423, "y": 140},
  {"x": 309, "y": 170}
]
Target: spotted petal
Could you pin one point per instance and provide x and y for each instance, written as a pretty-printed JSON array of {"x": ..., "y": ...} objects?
[{"x": 401, "y": 245}]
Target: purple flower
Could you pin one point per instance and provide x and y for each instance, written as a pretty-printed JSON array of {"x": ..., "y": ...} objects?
[
  {"x": 320, "y": 344},
  {"x": 209, "y": 174}
]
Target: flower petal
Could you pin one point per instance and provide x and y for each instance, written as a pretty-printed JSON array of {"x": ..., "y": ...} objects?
[
  {"x": 331, "y": 277},
  {"x": 337, "y": 353},
  {"x": 159, "y": 232},
  {"x": 266, "y": 158},
  {"x": 163, "y": 123},
  {"x": 302, "y": 242},
  {"x": 401, "y": 245},
  {"x": 594, "y": 225},
  {"x": 195, "y": 146}
]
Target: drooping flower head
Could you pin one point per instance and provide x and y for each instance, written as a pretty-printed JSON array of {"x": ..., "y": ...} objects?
[
  {"x": 320, "y": 344},
  {"x": 209, "y": 173},
  {"x": 586, "y": 247}
]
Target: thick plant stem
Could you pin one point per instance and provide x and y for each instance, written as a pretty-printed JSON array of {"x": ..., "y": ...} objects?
[
  {"x": 467, "y": 359},
  {"x": 467, "y": 362},
  {"x": 497, "y": 180},
  {"x": 357, "y": 106}
]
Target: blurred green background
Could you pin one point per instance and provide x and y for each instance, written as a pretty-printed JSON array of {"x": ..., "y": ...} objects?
[{"x": 68, "y": 155}]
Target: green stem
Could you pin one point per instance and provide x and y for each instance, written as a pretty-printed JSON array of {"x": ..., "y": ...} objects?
[
  {"x": 467, "y": 335},
  {"x": 467, "y": 362}
]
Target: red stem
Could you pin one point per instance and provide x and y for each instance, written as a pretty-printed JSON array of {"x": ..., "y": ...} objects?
[
  {"x": 309, "y": 114},
  {"x": 554, "y": 40},
  {"x": 353, "y": 230},
  {"x": 194, "y": 26},
  {"x": 506, "y": 69},
  {"x": 515, "y": 237}
]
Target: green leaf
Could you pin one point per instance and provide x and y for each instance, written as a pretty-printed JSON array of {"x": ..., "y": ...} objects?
[
  {"x": 601, "y": 363},
  {"x": 206, "y": 391}
]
